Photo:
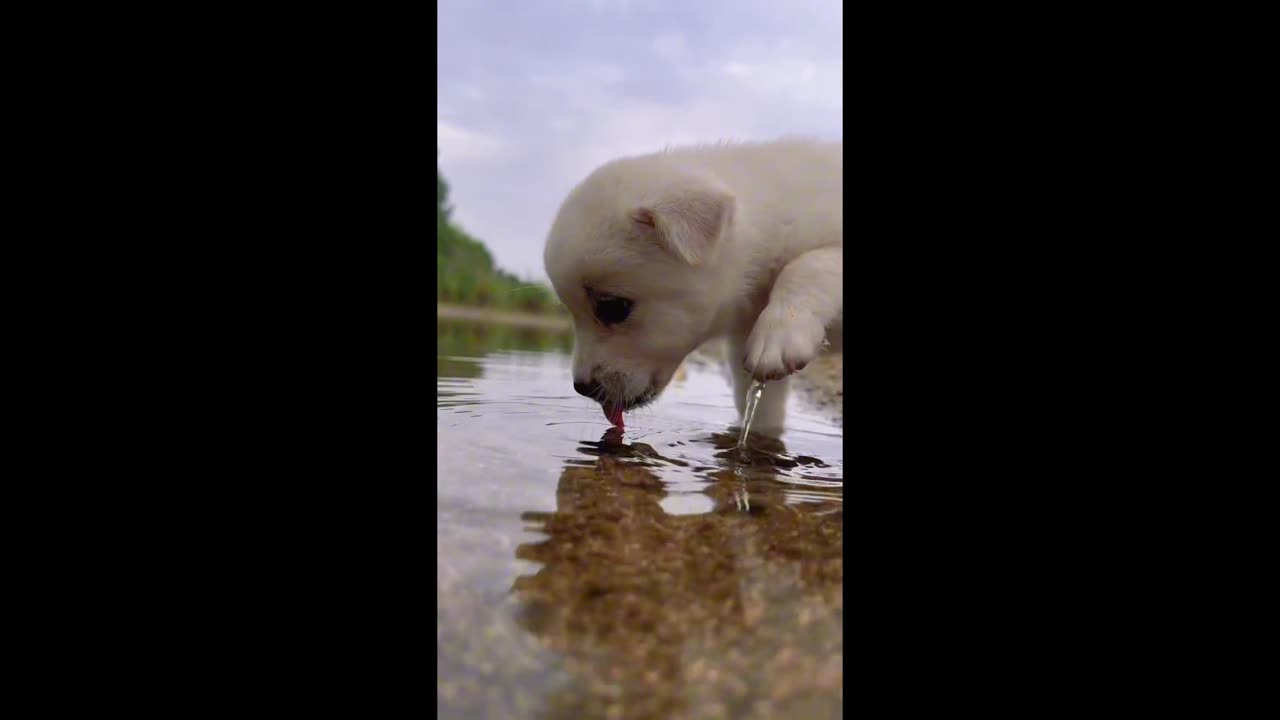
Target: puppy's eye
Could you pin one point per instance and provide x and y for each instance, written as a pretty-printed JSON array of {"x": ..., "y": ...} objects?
[{"x": 612, "y": 310}]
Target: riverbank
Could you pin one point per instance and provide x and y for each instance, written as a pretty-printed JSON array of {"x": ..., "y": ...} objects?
[
  {"x": 822, "y": 383},
  {"x": 502, "y": 317}
]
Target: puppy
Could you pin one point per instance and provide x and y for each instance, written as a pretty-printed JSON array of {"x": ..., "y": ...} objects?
[{"x": 657, "y": 254}]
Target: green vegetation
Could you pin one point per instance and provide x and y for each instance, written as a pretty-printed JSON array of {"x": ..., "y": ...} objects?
[{"x": 466, "y": 275}]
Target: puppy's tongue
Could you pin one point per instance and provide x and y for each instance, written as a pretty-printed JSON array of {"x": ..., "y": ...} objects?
[{"x": 614, "y": 413}]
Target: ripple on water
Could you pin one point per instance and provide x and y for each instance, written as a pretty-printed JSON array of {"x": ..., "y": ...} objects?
[{"x": 583, "y": 569}]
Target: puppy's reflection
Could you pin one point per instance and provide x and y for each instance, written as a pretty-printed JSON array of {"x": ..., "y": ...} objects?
[{"x": 728, "y": 612}]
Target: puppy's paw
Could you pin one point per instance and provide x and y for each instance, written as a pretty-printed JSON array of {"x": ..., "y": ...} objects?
[{"x": 783, "y": 341}]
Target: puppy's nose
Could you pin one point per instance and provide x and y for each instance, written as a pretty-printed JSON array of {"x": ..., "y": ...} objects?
[{"x": 587, "y": 389}]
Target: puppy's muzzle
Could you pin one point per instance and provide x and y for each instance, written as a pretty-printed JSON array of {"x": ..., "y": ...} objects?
[{"x": 588, "y": 389}]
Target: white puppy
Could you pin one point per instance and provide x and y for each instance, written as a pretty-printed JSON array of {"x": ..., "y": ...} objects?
[{"x": 655, "y": 255}]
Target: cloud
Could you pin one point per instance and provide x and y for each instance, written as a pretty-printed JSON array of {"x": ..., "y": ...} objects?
[
  {"x": 669, "y": 46},
  {"x": 460, "y": 144}
]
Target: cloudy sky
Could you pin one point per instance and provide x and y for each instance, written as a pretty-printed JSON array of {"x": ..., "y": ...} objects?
[{"x": 534, "y": 94}]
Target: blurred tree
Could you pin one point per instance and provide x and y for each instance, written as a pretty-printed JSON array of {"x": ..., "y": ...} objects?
[{"x": 466, "y": 273}]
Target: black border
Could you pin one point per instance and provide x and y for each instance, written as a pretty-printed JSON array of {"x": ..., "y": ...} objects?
[{"x": 261, "y": 324}]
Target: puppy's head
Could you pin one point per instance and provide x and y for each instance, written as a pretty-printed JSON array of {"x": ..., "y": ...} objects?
[{"x": 632, "y": 254}]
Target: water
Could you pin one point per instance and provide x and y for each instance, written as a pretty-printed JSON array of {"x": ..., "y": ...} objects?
[
  {"x": 586, "y": 571},
  {"x": 749, "y": 413}
]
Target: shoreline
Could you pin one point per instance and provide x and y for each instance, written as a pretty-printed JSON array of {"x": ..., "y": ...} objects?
[
  {"x": 822, "y": 382},
  {"x": 504, "y": 317}
]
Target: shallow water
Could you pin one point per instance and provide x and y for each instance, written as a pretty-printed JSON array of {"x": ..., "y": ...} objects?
[
  {"x": 652, "y": 572},
  {"x": 754, "y": 393}
]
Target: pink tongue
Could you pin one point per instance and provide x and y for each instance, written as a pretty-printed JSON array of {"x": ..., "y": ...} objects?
[{"x": 614, "y": 414}]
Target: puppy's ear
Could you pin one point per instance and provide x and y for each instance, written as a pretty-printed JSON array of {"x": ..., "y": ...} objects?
[{"x": 688, "y": 223}]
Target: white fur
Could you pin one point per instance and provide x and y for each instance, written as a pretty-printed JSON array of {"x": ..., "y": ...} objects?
[{"x": 737, "y": 240}]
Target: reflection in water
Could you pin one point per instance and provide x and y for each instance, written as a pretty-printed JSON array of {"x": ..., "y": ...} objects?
[
  {"x": 457, "y": 339},
  {"x": 737, "y": 612},
  {"x": 656, "y": 573}
]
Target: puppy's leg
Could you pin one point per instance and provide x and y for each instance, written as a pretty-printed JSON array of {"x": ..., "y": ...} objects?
[
  {"x": 806, "y": 297},
  {"x": 741, "y": 378},
  {"x": 771, "y": 411}
]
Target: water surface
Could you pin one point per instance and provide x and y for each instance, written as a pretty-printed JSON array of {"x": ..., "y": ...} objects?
[{"x": 585, "y": 572}]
